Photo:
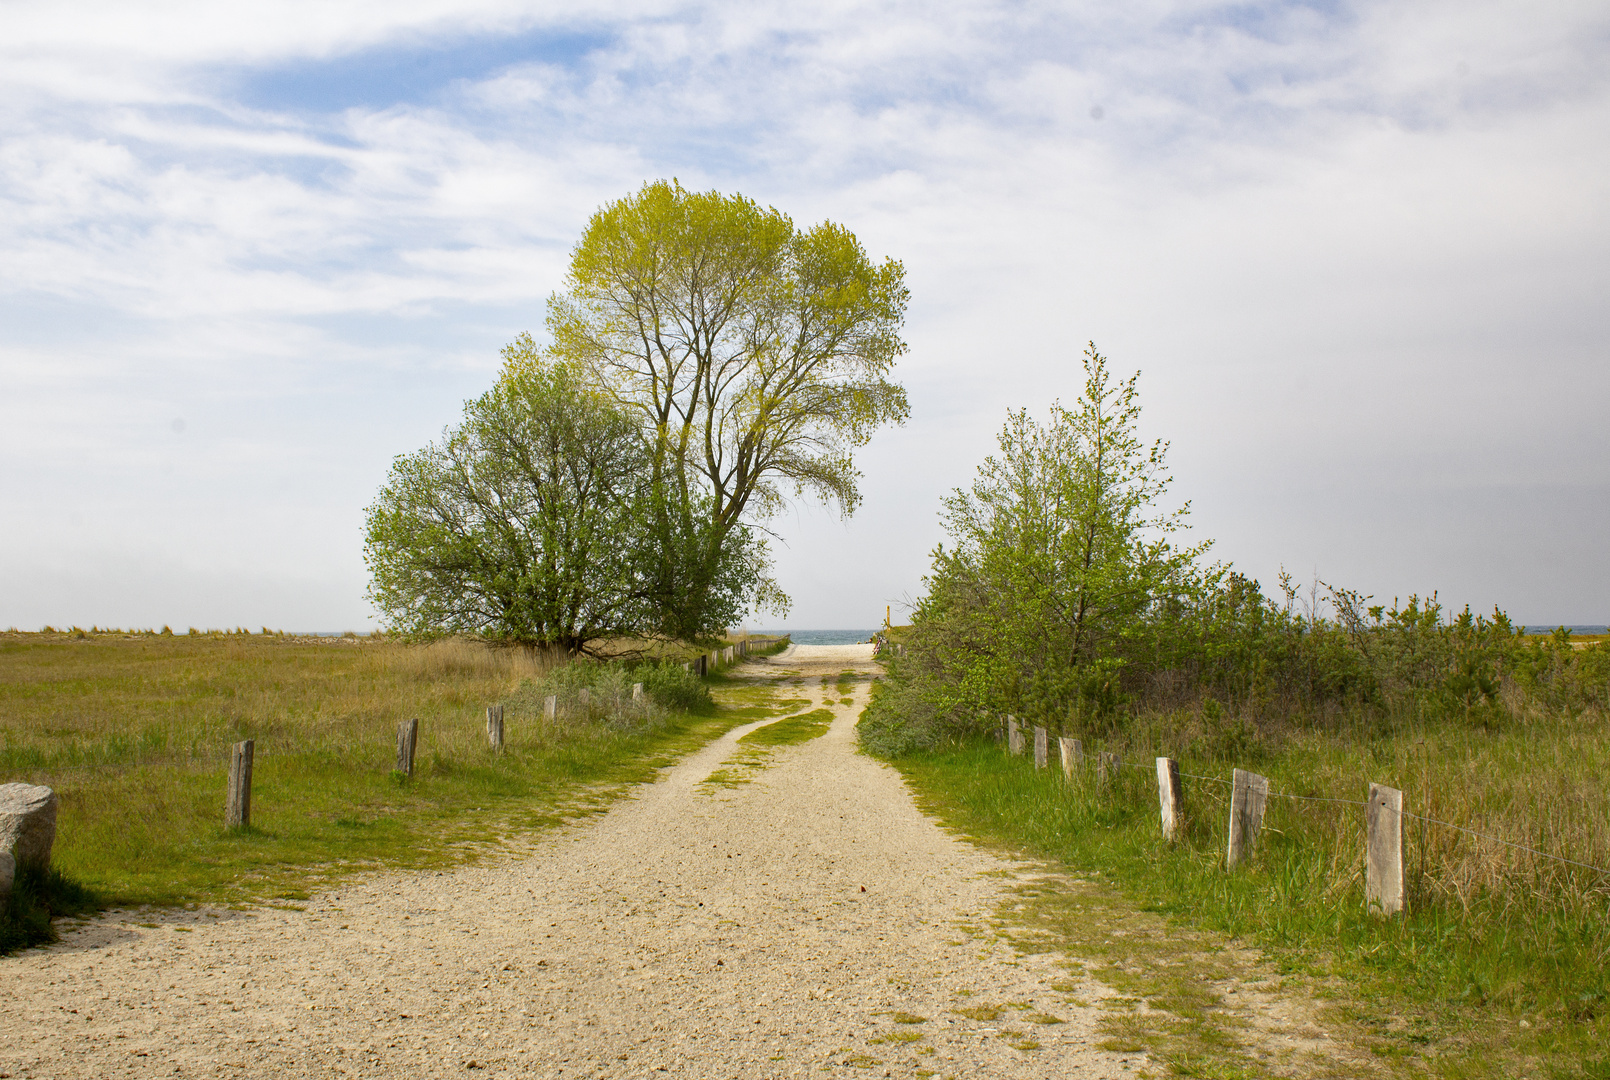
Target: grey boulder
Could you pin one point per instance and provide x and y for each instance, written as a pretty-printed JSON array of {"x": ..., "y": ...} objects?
[{"x": 27, "y": 822}]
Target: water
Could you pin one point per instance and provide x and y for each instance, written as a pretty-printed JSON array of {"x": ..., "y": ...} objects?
[
  {"x": 823, "y": 637},
  {"x": 1535, "y": 628}
]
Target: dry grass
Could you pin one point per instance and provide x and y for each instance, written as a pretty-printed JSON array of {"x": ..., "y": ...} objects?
[
  {"x": 1536, "y": 781},
  {"x": 133, "y": 731},
  {"x": 110, "y": 701}
]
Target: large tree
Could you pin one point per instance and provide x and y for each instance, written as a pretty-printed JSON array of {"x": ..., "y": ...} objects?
[
  {"x": 757, "y": 355},
  {"x": 521, "y": 523}
]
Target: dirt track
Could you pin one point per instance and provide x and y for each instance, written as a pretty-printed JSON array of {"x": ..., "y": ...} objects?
[{"x": 779, "y": 928}]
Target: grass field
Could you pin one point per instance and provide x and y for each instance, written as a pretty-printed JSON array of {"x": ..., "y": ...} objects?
[
  {"x": 133, "y": 731},
  {"x": 1499, "y": 968}
]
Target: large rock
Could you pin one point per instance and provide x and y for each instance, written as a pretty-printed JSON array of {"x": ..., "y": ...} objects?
[
  {"x": 27, "y": 822},
  {"x": 8, "y": 874}
]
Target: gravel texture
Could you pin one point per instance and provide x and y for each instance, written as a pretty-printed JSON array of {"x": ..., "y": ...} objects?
[{"x": 810, "y": 920}]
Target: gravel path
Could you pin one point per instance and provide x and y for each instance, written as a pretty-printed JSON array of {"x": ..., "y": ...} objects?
[{"x": 798, "y": 923}]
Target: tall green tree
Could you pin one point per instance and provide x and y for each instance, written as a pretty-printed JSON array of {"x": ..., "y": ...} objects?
[
  {"x": 755, "y": 353},
  {"x": 521, "y": 523},
  {"x": 1061, "y": 559}
]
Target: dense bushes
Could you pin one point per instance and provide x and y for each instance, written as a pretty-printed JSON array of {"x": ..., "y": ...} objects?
[{"x": 1067, "y": 598}]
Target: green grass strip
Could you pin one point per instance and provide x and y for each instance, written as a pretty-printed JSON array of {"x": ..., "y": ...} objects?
[{"x": 791, "y": 730}]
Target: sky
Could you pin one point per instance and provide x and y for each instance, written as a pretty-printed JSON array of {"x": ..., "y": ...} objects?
[{"x": 1359, "y": 252}]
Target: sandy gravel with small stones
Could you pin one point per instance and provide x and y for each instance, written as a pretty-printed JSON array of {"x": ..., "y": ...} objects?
[{"x": 785, "y": 927}]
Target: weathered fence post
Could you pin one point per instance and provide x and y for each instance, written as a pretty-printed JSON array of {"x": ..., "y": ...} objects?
[
  {"x": 1106, "y": 767},
  {"x": 238, "y": 810},
  {"x": 637, "y": 691},
  {"x": 1248, "y": 794},
  {"x": 407, "y": 738},
  {"x": 1383, "y": 877},
  {"x": 1073, "y": 754},
  {"x": 585, "y": 700},
  {"x": 1040, "y": 746},
  {"x": 1014, "y": 736},
  {"x": 550, "y": 707},
  {"x": 1170, "y": 798},
  {"x": 494, "y": 726}
]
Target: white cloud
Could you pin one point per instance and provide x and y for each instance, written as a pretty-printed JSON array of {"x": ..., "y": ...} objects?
[{"x": 1355, "y": 249}]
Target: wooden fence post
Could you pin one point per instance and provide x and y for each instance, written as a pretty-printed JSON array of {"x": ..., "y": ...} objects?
[
  {"x": 585, "y": 700},
  {"x": 1014, "y": 736},
  {"x": 1248, "y": 794},
  {"x": 407, "y": 738},
  {"x": 637, "y": 691},
  {"x": 1040, "y": 747},
  {"x": 494, "y": 726},
  {"x": 1170, "y": 797},
  {"x": 550, "y": 707},
  {"x": 1383, "y": 877},
  {"x": 1073, "y": 755},
  {"x": 1106, "y": 767},
  {"x": 238, "y": 808}
]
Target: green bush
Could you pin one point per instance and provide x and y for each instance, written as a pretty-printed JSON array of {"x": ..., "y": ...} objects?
[
  {"x": 674, "y": 687},
  {"x": 668, "y": 687}
]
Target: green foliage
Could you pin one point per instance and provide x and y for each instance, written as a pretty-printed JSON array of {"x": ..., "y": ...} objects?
[
  {"x": 668, "y": 685},
  {"x": 38, "y": 895},
  {"x": 1061, "y": 575},
  {"x": 756, "y": 355},
  {"x": 673, "y": 686},
  {"x": 1064, "y": 601},
  {"x": 519, "y": 524}
]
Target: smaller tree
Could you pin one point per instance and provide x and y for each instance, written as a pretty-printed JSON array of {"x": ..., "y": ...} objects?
[
  {"x": 521, "y": 523},
  {"x": 1061, "y": 560}
]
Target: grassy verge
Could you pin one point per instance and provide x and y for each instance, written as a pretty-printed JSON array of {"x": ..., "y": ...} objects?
[
  {"x": 1467, "y": 990},
  {"x": 133, "y": 733}
]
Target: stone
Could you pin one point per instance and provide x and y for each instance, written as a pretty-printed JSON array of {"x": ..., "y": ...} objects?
[
  {"x": 8, "y": 873},
  {"x": 27, "y": 822}
]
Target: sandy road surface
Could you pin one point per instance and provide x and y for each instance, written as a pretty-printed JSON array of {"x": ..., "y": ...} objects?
[{"x": 690, "y": 931}]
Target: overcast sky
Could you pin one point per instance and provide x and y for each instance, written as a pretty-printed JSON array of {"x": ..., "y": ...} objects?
[{"x": 1360, "y": 253}]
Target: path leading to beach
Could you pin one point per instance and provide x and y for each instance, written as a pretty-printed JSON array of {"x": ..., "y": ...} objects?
[{"x": 808, "y": 920}]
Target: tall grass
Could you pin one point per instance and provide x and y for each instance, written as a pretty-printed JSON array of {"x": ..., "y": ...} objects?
[
  {"x": 133, "y": 732},
  {"x": 1491, "y": 936}
]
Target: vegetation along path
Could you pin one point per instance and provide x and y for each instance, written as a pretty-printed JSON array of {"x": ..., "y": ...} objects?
[{"x": 768, "y": 908}]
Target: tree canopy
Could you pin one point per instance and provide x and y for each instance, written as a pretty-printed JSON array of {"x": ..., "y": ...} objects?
[
  {"x": 519, "y": 523},
  {"x": 1060, "y": 559},
  {"x": 756, "y": 354}
]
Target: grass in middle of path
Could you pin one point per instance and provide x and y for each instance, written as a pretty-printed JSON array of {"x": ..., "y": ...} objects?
[
  {"x": 791, "y": 730},
  {"x": 754, "y": 749}
]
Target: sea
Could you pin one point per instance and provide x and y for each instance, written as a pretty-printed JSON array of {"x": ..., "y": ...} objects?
[
  {"x": 1532, "y": 628},
  {"x": 823, "y": 637}
]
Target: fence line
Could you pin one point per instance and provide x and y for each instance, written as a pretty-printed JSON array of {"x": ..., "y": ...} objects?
[{"x": 1384, "y": 848}]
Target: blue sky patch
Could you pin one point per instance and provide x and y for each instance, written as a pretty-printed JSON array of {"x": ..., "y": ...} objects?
[{"x": 415, "y": 73}]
